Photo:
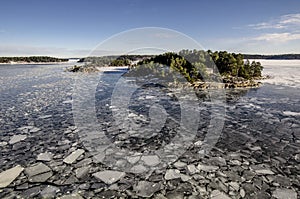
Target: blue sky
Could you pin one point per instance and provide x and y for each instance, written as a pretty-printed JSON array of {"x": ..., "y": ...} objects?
[{"x": 73, "y": 28}]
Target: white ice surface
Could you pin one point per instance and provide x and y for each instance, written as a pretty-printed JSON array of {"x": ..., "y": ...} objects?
[{"x": 283, "y": 72}]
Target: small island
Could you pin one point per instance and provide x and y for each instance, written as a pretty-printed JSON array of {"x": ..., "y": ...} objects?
[
  {"x": 31, "y": 59},
  {"x": 197, "y": 66}
]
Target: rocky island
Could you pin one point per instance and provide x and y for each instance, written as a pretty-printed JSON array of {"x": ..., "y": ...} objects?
[{"x": 197, "y": 66}]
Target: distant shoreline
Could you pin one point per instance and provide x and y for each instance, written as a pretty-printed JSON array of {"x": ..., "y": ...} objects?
[
  {"x": 33, "y": 63},
  {"x": 31, "y": 60},
  {"x": 273, "y": 57},
  {"x": 45, "y": 63}
]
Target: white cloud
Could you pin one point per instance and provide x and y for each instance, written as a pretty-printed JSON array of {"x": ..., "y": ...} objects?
[
  {"x": 278, "y": 37},
  {"x": 283, "y": 22},
  {"x": 283, "y": 30},
  {"x": 290, "y": 19},
  {"x": 266, "y": 25}
]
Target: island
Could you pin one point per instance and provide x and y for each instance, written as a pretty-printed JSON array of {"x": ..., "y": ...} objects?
[{"x": 197, "y": 66}]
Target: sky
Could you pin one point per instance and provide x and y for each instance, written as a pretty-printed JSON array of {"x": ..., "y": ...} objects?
[{"x": 74, "y": 28}]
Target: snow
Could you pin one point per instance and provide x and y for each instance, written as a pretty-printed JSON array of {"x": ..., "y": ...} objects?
[{"x": 283, "y": 72}]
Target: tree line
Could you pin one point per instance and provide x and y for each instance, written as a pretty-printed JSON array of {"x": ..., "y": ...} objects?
[
  {"x": 197, "y": 65},
  {"x": 232, "y": 64},
  {"x": 114, "y": 60},
  {"x": 283, "y": 56},
  {"x": 32, "y": 59}
]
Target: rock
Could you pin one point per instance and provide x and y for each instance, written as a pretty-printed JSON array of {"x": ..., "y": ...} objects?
[
  {"x": 114, "y": 187},
  {"x": 8, "y": 176},
  {"x": 216, "y": 194},
  {"x": 192, "y": 169},
  {"x": 98, "y": 158},
  {"x": 73, "y": 156},
  {"x": 219, "y": 161},
  {"x": 71, "y": 196},
  {"x": 133, "y": 159},
  {"x": 235, "y": 162},
  {"x": 207, "y": 168},
  {"x": 248, "y": 174},
  {"x": 3, "y": 144},
  {"x": 31, "y": 192},
  {"x": 160, "y": 196},
  {"x": 255, "y": 148},
  {"x": 17, "y": 138},
  {"x": 151, "y": 160},
  {"x": 146, "y": 189},
  {"x": 179, "y": 164},
  {"x": 70, "y": 180},
  {"x": 25, "y": 128},
  {"x": 34, "y": 130},
  {"x": 175, "y": 195},
  {"x": 109, "y": 176},
  {"x": 85, "y": 186},
  {"x": 202, "y": 190},
  {"x": 250, "y": 188},
  {"x": 297, "y": 158},
  {"x": 264, "y": 172},
  {"x": 41, "y": 177},
  {"x": 37, "y": 169},
  {"x": 138, "y": 169},
  {"x": 68, "y": 102},
  {"x": 185, "y": 178},
  {"x": 82, "y": 172},
  {"x": 280, "y": 159},
  {"x": 84, "y": 162},
  {"x": 38, "y": 172},
  {"x": 242, "y": 193},
  {"x": 222, "y": 186},
  {"x": 49, "y": 192},
  {"x": 198, "y": 143},
  {"x": 234, "y": 185},
  {"x": 23, "y": 186},
  {"x": 133, "y": 115},
  {"x": 284, "y": 194},
  {"x": 45, "y": 116},
  {"x": 45, "y": 157},
  {"x": 172, "y": 174},
  {"x": 282, "y": 180}
]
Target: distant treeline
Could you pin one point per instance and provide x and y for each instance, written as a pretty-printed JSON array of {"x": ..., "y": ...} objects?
[
  {"x": 32, "y": 59},
  {"x": 123, "y": 60},
  {"x": 284, "y": 56}
]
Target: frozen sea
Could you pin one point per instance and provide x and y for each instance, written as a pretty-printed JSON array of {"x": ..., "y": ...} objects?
[{"x": 257, "y": 154}]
